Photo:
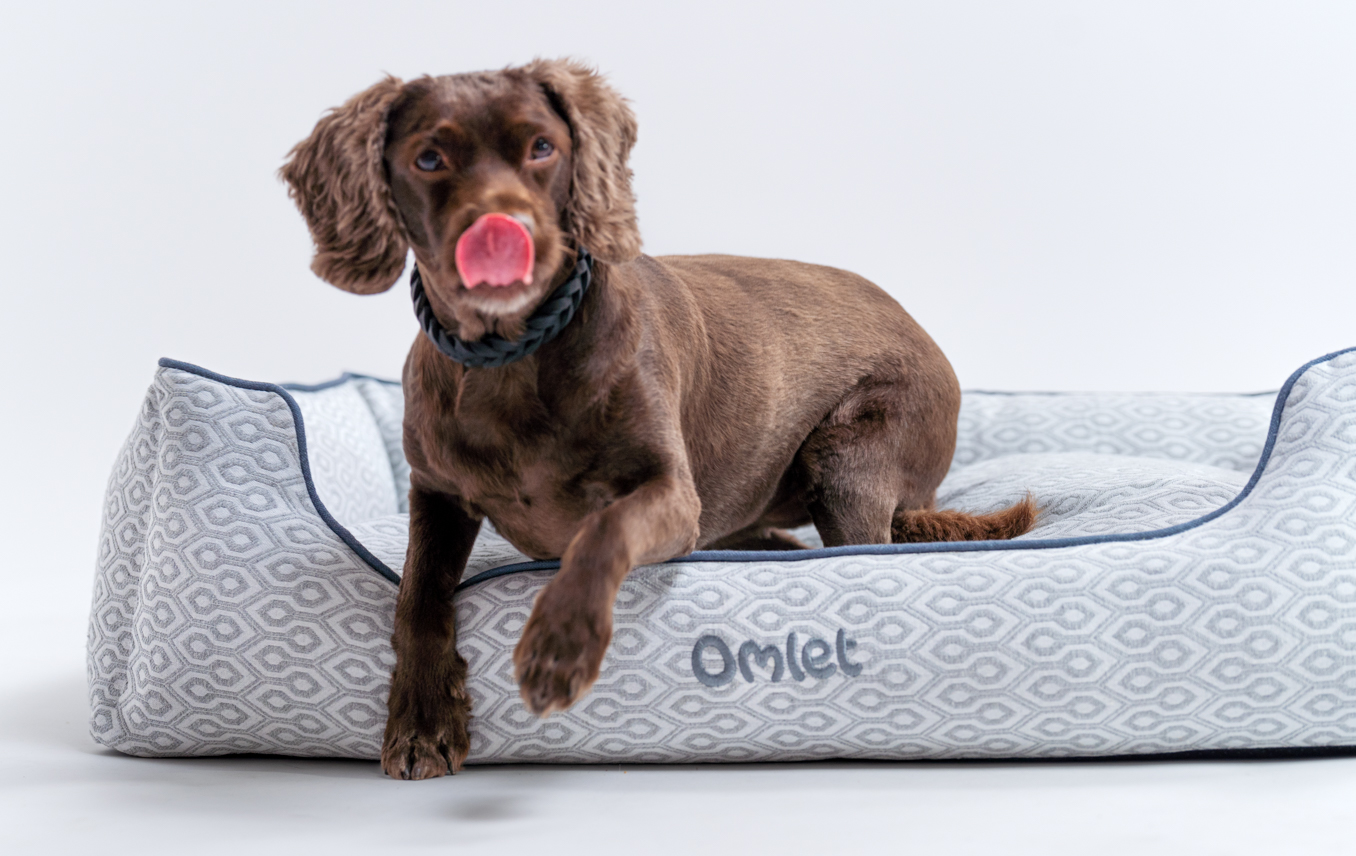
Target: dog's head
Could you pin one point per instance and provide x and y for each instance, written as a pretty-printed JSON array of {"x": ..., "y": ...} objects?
[{"x": 492, "y": 178}]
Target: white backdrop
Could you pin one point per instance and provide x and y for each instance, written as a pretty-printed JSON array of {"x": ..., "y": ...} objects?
[{"x": 1141, "y": 195}]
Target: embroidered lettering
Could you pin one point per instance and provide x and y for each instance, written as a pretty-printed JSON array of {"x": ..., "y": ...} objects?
[
  {"x": 842, "y": 644},
  {"x": 817, "y": 658},
  {"x": 760, "y": 656},
  {"x": 725, "y": 675}
]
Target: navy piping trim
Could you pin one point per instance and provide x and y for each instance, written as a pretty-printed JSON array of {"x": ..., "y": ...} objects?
[
  {"x": 757, "y": 556},
  {"x": 1018, "y": 393},
  {"x": 344, "y": 535},
  {"x": 317, "y": 387},
  {"x": 970, "y": 546}
]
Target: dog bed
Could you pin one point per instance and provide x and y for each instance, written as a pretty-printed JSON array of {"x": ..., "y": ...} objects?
[{"x": 1191, "y": 585}]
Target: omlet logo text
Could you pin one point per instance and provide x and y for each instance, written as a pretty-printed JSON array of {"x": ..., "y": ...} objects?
[{"x": 816, "y": 659}]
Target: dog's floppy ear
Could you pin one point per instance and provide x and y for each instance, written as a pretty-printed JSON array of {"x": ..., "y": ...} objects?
[
  {"x": 602, "y": 210},
  {"x": 338, "y": 180}
]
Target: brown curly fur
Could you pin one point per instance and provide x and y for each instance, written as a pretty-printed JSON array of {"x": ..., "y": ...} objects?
[
  {"x": 337, "y": 179},
  {"x": 694, "y": 401},
  {"x": 601, "y": 212},
  {"x": 913, "y": 526}
]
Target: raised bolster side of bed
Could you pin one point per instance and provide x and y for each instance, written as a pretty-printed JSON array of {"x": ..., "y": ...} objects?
[
  {"x": 228, "y": 614},
  {"x": 1233, "y": 632}
]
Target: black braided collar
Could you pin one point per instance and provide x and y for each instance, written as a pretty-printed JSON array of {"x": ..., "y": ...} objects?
[{"x": 491, "y": 350}]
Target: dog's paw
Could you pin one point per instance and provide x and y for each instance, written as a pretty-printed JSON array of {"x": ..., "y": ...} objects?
[
  {"x": 414, "y": 752},
  {"x": 558, "y": 658},
  {"x": 416, "y": 756}
]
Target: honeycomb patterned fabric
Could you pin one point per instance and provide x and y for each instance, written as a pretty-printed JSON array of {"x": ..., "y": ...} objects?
[{"x": 1191, "y": 586}]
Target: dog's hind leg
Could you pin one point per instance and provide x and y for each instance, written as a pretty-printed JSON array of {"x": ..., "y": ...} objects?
[
  {"x": 881, "y": 447},
  {"x": 874, "y": 463},
  {"x": 850, "y": 503}
]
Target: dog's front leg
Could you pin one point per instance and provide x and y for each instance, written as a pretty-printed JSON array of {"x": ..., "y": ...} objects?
[
  {"x": 562, "y": 646},
  {"x": 429, "y": 710}
]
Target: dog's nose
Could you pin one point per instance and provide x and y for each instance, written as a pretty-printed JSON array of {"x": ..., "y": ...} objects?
[{"x": 526, "y": 220}]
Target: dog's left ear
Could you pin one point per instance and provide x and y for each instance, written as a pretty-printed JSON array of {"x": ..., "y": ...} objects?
[{"x": 601, "y": 212}]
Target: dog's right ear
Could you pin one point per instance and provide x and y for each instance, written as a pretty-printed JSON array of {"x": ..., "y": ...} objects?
[{"x": 337, "y": 177}]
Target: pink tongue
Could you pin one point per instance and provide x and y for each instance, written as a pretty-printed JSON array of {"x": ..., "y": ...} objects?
[{"x": 496, "y": 250}]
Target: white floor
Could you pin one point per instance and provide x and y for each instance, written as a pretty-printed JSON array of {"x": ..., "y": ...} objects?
[{"x": 59, "y": 793}]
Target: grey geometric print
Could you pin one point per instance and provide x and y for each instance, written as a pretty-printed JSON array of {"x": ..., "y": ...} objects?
[
  {"x": 1085, "y": 494},
  {"x": 347, "y": 453},
  {"x": 229, "y": 618},
  {"x": 386, "y": 402},
  {"x": 1223, "y": 431}
]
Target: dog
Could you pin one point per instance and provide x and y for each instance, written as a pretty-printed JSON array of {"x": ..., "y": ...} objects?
[{"x": 678, "y": 403}]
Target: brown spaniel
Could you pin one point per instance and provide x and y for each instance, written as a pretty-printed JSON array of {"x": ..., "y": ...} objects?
[{"x": 603, "y": 407}]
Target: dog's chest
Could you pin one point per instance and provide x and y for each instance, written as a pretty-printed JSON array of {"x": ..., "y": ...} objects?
[
  {"x": 542, "y": 512},
  {"x": 534, "y": 480}
]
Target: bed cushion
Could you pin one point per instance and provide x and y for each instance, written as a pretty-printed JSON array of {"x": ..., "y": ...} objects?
[
  {"x": 1185, "y": 590},
  {"x": 1081, "y": 493}
]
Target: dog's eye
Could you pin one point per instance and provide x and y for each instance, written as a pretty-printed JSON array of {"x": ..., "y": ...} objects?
[
  {"x": 429, "y": 161},
  {"x": 541, "y": 147}
]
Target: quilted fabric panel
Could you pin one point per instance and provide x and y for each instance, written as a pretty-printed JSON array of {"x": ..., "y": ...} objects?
[
  {"x": 1218, "y": 430},
  {"x": 348, "y": 453},
  {"x": 387, "y": 403},
  {"x": 1085, "y": 494}
]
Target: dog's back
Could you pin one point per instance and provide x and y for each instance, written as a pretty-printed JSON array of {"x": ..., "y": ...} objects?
[{"x": 774, "y": 351}]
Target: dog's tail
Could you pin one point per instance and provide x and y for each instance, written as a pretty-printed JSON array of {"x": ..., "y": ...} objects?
[{"x": 917, "y": 525}]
